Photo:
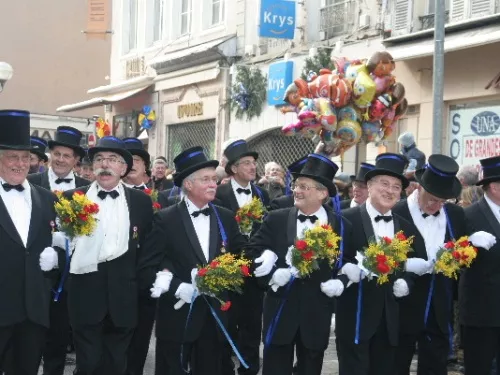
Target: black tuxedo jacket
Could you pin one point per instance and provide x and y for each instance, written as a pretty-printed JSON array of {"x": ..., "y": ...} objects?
[
  {"x": 306, "y": 308},
  {"x": 412, "y": 307},
  {"x": 112, "y": 289},
  {"x": 173, "y": 245},
  {"x": 227, "y": 199},
  {"x": 479, "y": 288},
  {"x": 165, "y": 200},
  {"x": 345, "y": 204},
  {"x": 24, "y": 289},
  {"x": 378, "y": 301},
  {"x": 285, "y": 201},
  {"x": 42, "y": 179},
  {"x": 160, "y": 185}
]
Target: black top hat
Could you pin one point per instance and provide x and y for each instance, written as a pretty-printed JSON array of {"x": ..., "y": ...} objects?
[
  {"x": 491, "y": 170},
  {"x": 136, "y": 147},
  {"x": 321, "y": 169},
  {"x": 86, "y": 161},
  {"x": 235, "y": 151},
  {"x": 112, "y": 144},
  {"x": 438, "y": 177},
  {"x": 38, "y": 147},
  {"x": 68, "y": 137},
  {"x": 15, "y": 130},
  {"x": 297, "y": 165},
  {"x": 389, "y": 164},
  {"x": 189, "y": 161},
  {"x": 364, "y": 168}
]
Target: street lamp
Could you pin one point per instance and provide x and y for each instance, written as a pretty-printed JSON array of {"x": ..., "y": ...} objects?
[{"x": 6, "y": 72}]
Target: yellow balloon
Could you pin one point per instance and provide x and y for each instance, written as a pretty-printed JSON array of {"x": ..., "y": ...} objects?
[
  {"x": 352, "y": 72},
  {"x": 349, "y": 132},
  {"x": 363, "y": 90}
]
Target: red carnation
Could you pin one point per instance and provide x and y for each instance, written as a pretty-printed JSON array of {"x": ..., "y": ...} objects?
[
  {"x": 381, "y": 258},
  {"x": 464, "y": 243},
  {"x": 156, "y": 205},
  {"x": 202, "y": 272},
  {"x": 383, "y": 268},
  {"x": 214, "y": 264},
  {"x": 238, "y": 219},
  {"x": 308, "y": 255},
  {"x": 465, "y": 256},
  {"x": 455, "y": 254},
  {"x": 449, "y": 245},
  {"x": 67, "y": 220},
  {"x": 83, "y": 217},
  {"x": 401, "y": 237},
  {"x": 301, "y": 245},
  {"x": 79, "y": 192},
  {"x": 387, "y": 240},
  {"x": 148, "y": 191},
  {"x": 329, "y": 244},
  {"x": 245, "y": 270},
  {"x": 226, "y": 306},
  {"x": 325, "y": 226}
]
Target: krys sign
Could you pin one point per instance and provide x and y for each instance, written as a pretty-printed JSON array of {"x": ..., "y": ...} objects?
[
  {"x": 279, "y": 77},
  {"x": 475, "y": 134},
  {"x": 277, "y": 19}
]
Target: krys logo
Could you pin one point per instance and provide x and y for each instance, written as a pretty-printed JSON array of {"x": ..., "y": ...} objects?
[
  {"x": 485, "y": 123},
  {"x": 277, "y": 19},
  {"x": 279, "y": 77}
]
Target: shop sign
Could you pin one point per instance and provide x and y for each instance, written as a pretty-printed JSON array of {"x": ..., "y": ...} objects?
[
  {"x": 190, "y": 110},
  {"x": 280, "y": 75},
  {"x": 474, "y": 134},
  {"x": 277, "y": 19}
]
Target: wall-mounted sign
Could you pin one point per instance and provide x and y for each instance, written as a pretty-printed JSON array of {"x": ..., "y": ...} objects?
[
  {"x": 277, "y": 19},
  {"x": 190, "y": 110},
  {"x": 279, "y": 77}
]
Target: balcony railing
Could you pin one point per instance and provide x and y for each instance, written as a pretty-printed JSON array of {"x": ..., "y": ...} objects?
[
  {"x": 427, "y": 21},
  {"x": 337, "y": 19}
]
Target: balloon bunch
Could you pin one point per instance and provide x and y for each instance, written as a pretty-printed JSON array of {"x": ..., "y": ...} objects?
[
  {"x": 146, "y": 118},
  {"x": 358, "y": 100},
  {"x": 102, "y": 128}
]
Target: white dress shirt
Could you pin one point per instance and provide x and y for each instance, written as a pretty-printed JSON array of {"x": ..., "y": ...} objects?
[
  {"x": 307, "y": 224},
  {"x": 201, "y": 225},
  {"x": 382, "y": 228},
  {"x": 241, "y": 198},
  {"x": 63, "y": 186},
  {"x": 18, "y": 204},
  {"x": 353, "y": 204},
  {"x": 143, "y": 185},
  {"x": 495, "y": 208},
  {"x": 109, "y": 208}
]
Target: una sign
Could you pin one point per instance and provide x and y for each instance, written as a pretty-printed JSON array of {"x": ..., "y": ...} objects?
[
  {"x": 474, "y": 134},
  {"x": 277, "y": 19},
  {"x": 279, "y": 77}
]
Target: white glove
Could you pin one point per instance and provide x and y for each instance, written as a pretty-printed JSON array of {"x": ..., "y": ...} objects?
[
  {"x": 268, "y": 259},
  {"x": 280, "y": 277},
  {"x": 48, "y": 259},
  {"x": 161, "y": 284},
  {"x": 332, "y": 288},
  {"x": 353, "y": 272},
  {"x": 418, "y": 265},
  {"x": 185, "y": 293},
  {"x": 483, "y": 239},
  {"x": 400, "y": 288},
  {"x": 59, "y": 239}
]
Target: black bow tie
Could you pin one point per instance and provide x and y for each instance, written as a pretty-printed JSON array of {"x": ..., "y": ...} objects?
[
  {"x": 424, "y": 215},
  {"x": 311, "y": 218},
  {"x": 382, "y": 217},
  {"x": 103, "y": 194},
  {"x": 65, "y": 180},
  {"x": 9, "y": 187},
  {"x": 205, "y": 211},
  {"x": 246, "y": 191},
  {"x": 142, "y": 187}
]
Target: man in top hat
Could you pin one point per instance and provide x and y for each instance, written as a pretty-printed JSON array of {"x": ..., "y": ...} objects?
[
  {"x": 305, "y": 319},
  {"x": 286, "y": 201},
  {"x": 437, "y": 222},
  {"x": 27, "y": 216},
  {"x": 367, "y": 335},
  {"x": 184, "y": 236},
  {"x": 241, "y": 166},
  {"x": 38, "y": 156},
  {"x": 65, "y": 152},
  {"x": 359, "y": 188},
  {"x": 135, "y": 178},
  {"x": 102, "y": 286},
  {"x": 479, "y": 284}
]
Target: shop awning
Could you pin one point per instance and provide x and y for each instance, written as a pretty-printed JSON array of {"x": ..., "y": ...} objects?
[
  {"x": 102, "y": 100},
  {"x": 186, "y": 77},
  {"x": 453, "y": 42}
]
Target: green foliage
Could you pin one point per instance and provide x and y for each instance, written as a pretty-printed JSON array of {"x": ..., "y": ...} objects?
[
  {"x": 320, "y": 61},
  {"x": 255, "y": 83}
]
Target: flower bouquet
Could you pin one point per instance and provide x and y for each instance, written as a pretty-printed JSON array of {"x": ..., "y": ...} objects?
[
  {"x": 386, "y": 256},
  {"x": 252, "y": 212},
  {"x": 318, "y": 243},
  {"x": 153, "y": 194},
  {"x": 453, "y": 256},
  {"x": 224, "y": 273},
  {"x": 76, "y": 216}
]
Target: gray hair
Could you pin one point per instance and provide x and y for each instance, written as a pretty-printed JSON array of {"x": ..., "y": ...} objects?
[
  {"x": 271, "y": 164},
  {"x": 468, "y": 175},
  {"x": 189, "y": 178}
]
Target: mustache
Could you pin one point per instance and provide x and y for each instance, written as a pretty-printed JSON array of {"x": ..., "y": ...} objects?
[{"x": 105, "y": 172}]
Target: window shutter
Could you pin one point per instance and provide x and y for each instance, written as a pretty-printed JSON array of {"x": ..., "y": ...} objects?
[
  {"x": 125, "y": 26},
  {"x": 150, "y": 22},
  {"x": 481, "y": 8},
  {"x": 457, "y": 10},
  {"x": 402, "y": 17}
]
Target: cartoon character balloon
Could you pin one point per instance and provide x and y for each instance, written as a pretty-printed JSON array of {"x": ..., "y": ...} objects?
[
  {"x": 381, "y": 64},
  {"x": 363, "y": 90}
]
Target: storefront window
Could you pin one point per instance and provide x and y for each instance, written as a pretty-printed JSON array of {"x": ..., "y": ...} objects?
[
  {"x": 125, "y": 125},
  {"x": 183, "y": 136}
]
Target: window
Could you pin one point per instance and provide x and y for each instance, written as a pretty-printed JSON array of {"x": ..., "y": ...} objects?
[
  {"x": 132, "y": 34},
  {"x": 185, "y": 16},
  {"x": 217, "y": 12},
  {"x": 158, "y": 7}
]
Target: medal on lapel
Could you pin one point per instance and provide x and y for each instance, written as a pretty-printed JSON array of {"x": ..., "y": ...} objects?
[{"x": 135, "y": 235}]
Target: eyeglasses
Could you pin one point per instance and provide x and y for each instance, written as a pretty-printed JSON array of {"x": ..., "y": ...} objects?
[
  {"x": 111, "y": 160},
  {"x": 387, "y": 186},
  {"x": 303, "y": 187},
  {"x": 247, "y": 163},
  {"x": 436, "y": 201},
  {"x": 207, "y": 180}
]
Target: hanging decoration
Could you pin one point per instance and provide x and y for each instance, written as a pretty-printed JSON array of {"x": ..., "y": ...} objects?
[
  {"x": 102, "y": 128},
  {"x": 248, "y": 92},
  {"x": 146, "y": 118}
]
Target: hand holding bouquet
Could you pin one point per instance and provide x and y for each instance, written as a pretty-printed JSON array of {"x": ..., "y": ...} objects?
[
  {"x": 76, "y": 215},
  {"x": 453, "y": 256},
  {"x": 252, "y": 212}
]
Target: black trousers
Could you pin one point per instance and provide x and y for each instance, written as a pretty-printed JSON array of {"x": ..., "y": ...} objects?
[
  {"x": 58, "y": 337},
  {"x": 139, "y": 346},
  {"x": 24, "y": 342},
  {"x": 433, "y": 349},
  {"x": 481, "y": 345},
  {"x": 203, "y": 357},
  {"x": 101, "y": 349},
  {"x": 278, "y": 359},
  {"x": 373, "y": 357}
]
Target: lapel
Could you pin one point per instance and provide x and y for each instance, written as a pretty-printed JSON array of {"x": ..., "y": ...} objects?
[
  {"x": 232, "y": 198},
  {"x": 44, "y": 180},
  {"x": 397, "y": 223},
  {"x": 291, "y": 228},
  {"x": 214, "y": 235},
  {"x": 367, "y": 223},
  {"x": 130, "y": 209},
  {"x": 190, "y": 231},
  {"x": 490, "y": 217},
  {"x": 256, "y": 194},
  {"x": 331, "y": 219},
  {"x": 36, "y": 213},
  {"x": 8, "y": 225}
]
